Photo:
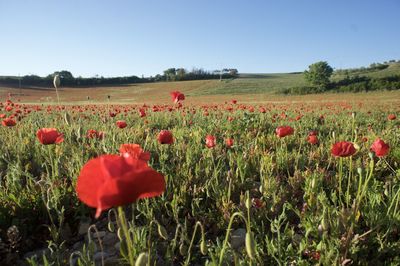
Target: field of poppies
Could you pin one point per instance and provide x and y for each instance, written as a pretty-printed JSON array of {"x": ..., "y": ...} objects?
[{"x": 285, "y": 183}]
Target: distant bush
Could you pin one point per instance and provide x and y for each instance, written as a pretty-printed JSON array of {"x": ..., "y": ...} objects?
[
  {"x": 372, "y": 67},
  {"x": 350, "y": 84}
]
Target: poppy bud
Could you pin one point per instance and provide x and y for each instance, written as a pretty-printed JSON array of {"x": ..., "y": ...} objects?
[
  {"x": 248, "y": 201},
  {"x": 56, "y": 81},
  {"x": 250, "y": 245},
  {"x": 162, "y": 231},
  {"x": 183, "y": 249},
  {"x": 142, "y": 259},
  {"x": 203, "y": 247},
  {"x": 119, "y": 233},
  {"x": 67, "y": 118},
  {"x": 359, "y": 170}
]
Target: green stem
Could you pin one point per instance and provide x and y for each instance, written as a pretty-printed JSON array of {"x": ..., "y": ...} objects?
[
  {"x": 198, "y": 224},
  {"x": 221, "y": 255},
  {"x": 125, "y": 230},
  {"x": 349, "y": 180}
]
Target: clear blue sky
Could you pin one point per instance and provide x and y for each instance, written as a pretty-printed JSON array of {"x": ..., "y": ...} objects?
[{"x": 115, "y": 38}]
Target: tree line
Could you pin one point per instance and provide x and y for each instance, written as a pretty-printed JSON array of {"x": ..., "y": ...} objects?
[{"x": 68, "y": 80}]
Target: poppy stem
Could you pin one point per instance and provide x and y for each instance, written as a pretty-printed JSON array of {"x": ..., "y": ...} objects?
[
  {"x": 349, "y": 181},
  {"x": 221, "y": 255},
  {"x": 125, "y": 231},
  {"x": 198, "y": 224},
  {"x": 340, "y": 177}
]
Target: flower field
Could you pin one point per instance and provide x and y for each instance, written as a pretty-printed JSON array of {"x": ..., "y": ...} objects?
[{"x": 232, "y": 183}]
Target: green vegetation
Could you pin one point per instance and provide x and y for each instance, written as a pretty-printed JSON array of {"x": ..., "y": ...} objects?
[
  {"x": 286, "y": 200},
  {"x": 318, "y": 74}
]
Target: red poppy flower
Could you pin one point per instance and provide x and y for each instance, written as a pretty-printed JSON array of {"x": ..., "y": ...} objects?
[
  {"x": 121, "y": 124},
  {"x": 177, "y": 96},
  {"x": 211, "y": 141},
  {"x": 312, "y": 139},
  {"x": 8, "y": 122},
  {"x": 134, "y": 151},
  {"x": 258, "y": 203},
  {"x": 313, "y": 133},
  {"x": 49, "y": 136},
  {"x": 380, "y": 148},
  {"x": 284, "y": 131},
  {"x": 142, "y": 112},
  {"x": 229, "y": 142},
  {"x": 234, "y": 101},
  {"x": 165, "y": 137},
  {"x": 92, "y": 133},
  {"x": 392, "y": 117},
  {"x": 343, "y": 149},
  {"x": 112, "y": 180}
]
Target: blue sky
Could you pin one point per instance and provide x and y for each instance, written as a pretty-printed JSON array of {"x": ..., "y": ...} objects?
[{"x": 117, "y": 38}]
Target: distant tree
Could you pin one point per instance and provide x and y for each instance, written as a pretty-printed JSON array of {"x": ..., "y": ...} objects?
[
  {"x": 170, "y": 74},
  {"x": 233, "y": 72},
  {"x": 180, "y": 73},
  {"x": 318, "y": 73}
]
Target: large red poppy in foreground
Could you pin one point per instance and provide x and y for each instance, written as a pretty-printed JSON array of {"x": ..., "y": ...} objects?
[{"x": 113, "y": 180}]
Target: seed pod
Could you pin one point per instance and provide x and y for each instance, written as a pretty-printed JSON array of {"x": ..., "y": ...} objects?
[
  {"x": 359, "y": 170},
  {"x": 119, "y": 233},
  {"x": 142, "y": 259},
  {"x": 162, "y": 231},
  {"x": 250, "y": 245},
  {"x": 203, "y": 247},
  {"x": 183, "y": 249},
  {"x": 56, "y": 81},
  {"x": 111, "y": 226},
  {"x": 67, "y": 119},
  {"x": 248, "y": 201}
]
